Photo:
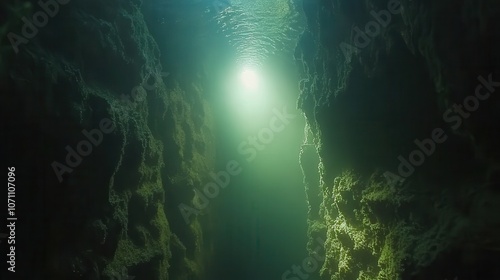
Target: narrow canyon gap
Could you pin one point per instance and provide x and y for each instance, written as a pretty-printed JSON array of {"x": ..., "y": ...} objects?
[{"x": 259, "y": 139}]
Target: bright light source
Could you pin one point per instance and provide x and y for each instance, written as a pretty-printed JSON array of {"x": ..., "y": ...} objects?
[
  {"x": 249, "y": 79},
  {"x": 249, "y": 96}
]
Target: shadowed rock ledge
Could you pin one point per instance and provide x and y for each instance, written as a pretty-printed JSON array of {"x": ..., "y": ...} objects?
[
  {"x": 368, "y": 95},
  {"x": 109, "y": 210}
]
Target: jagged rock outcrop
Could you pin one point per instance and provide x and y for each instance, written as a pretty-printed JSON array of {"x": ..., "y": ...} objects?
[
  {"x": 109, "y": 140},
  {"x": 379, "y": 79}
]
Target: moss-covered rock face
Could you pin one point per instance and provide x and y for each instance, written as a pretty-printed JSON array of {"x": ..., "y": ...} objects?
[
  {"x": 366, "y": 239},
  {"x": 370, "y": 97},
  {"x": 375, "y": 230},
  {"x": 110, "y": 209}
]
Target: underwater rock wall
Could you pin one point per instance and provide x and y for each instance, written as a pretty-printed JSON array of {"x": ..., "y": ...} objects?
[
  {"x": 118, "y": 143},
  {"x": 400, "y": 102}
]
